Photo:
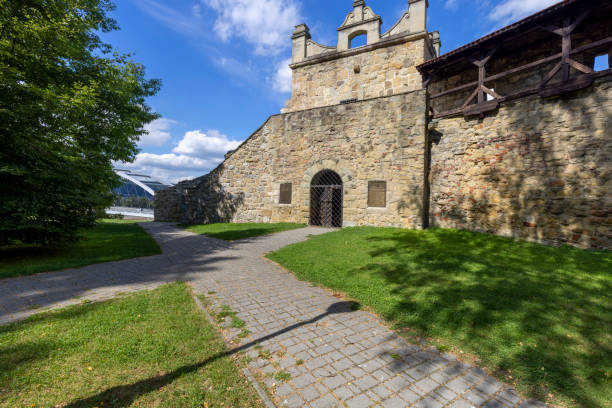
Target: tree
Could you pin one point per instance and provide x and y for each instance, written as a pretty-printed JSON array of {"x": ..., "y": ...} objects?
[{"x": 69, "y": 107}]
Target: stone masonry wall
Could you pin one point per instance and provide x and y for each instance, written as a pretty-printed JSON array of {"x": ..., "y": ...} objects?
[
  {"x": 384, "y": 71},
  {"x": 538, "y": 169},
  {"x": 377, "y": 139}
]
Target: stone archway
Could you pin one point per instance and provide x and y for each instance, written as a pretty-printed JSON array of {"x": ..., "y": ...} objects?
[{"x": 326, "y": 199}]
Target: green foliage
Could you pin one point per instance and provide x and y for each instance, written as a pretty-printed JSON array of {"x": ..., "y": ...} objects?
[
  {"x": 533, "y": 314},
  {"x": 109, "y": 240},
  {"x": 282, "y": 376},
  {"x": 69, "y": 107}
]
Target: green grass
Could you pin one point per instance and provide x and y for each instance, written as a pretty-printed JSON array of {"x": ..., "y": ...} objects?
[
  {"x": 537, "y": 315},
  {"x": 282, "y": 376},
  {"x": 234, "y": 232},
  {"x": 109, "y": 240},
  {"x": 153, "y": 349}
]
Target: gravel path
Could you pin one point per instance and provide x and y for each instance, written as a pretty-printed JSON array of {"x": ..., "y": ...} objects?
[{"x": 335, "y": 356}]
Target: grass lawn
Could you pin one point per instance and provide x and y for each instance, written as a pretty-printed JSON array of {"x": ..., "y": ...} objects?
[
  {"x": 153, "y": 349},
  {"x": 109, "y": 240},
  {"x": 233, "y": 232},
  {"x": 538, "y": 316}
]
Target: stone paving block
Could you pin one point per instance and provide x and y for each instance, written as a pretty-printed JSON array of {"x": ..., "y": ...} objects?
[
  {"x": 381, "y": 391},
  {"x": 394, "y": 402},
  {"x": 428, "y": 402},
  {"x": 284, "y": 390},
  {"x": 356, "y": 372},
  {"x": 327, "y": 401},
  {"x": 310, "y": 393},
  {"x": 343, "y": 364},
  {"x": 489, "y": 386},
  {"x": 509, "y": 395},
  {"x": 358, "y": 358},
  {"x": 294, "y": 401},
  {"x": 427, "y": 385},
  {"x": 458, "y": 386},
  {"x": 344, "y": 393},
  {"x": 334, "y": 382},
  {"x": 475, "y": 398},
  {"x": 461, "y": 403},
  {"x": 397, "y": 383},
  {"x": 360, "y": 401},
  {"x": 365, "y": 383},
  {"x": 382, "y": 375},
  {"x": 446, "y": 393},
  {"x": 286, "y": 362},
  {"x": 409, "y": 396},
  {"x": 496, "y": 403},
  {"x": 315, "y": 363},
  {"x": 303, "y": 381}
]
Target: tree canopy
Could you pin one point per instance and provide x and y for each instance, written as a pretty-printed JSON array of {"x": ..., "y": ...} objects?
[{"x": 69, "y": 107}]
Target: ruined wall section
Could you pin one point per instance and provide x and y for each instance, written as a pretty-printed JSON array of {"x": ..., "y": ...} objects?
[
  {"x": 372, "y": 72},
  {"x": 381, "y": 139},
  {"x": 538, "y": 169}
]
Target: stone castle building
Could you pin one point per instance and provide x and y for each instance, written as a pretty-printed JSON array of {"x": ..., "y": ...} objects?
[{"x": 509, "y": 135}]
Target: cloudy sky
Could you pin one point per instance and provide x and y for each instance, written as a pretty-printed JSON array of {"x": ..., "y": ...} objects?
[{"x": 224, "y": 69}]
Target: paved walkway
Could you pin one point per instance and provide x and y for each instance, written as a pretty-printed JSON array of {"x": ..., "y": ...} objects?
[{"x": 336, "y": 357}]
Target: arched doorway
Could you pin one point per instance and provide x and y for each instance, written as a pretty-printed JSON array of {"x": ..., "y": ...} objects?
[{"x": 326, "y": 199}]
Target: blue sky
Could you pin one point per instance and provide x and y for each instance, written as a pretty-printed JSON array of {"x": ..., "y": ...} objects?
[{"x": 223, "y": 63}]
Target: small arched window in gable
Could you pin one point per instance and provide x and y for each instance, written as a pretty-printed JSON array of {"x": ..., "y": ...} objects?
[{"x": 359, "y": 39}]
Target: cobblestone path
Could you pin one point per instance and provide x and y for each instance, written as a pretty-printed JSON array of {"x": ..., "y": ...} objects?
[{"x": 336, "y": 357}]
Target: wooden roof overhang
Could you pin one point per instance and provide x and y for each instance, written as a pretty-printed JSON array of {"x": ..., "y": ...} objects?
[{"x": 561, "y": 20}]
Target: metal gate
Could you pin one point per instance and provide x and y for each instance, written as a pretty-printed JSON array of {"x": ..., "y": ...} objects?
[{"x": 326, "y": 199}]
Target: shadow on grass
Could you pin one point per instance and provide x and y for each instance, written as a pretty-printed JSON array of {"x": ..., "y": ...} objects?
[
  {"x": 541, "y": 313},
  {"x": 107, "y": 241},
  {"x": 243, "y": 234},
  {"x": 125, "y": 395},
  {"x": 238, "y": 231}
]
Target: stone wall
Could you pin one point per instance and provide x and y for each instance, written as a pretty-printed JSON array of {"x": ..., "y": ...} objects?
[
  {"x": 376, "y": 71},
  {"x": 377, "y": 139},
  {"x": 538, "y": 170}
]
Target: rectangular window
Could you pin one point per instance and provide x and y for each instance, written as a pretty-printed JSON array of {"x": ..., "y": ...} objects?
[
  {"x": 377, "y": 194},
  {"x": 285, "y": 193}
]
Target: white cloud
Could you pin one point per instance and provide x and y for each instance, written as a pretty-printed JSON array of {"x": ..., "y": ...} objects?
[
  {"x": 282, "y": 78},
  {"x": 266, "y": 24},
  {"x": 174, "y": 19},
  {"x": 195, "y": 155},
  {"x": 198, "y": 144},
  {"x": 196, "y": 10},
  {"x": 170, "y": 168},
  {"x": 513, "y": 10},
  {"x": 158, "y": 133}
]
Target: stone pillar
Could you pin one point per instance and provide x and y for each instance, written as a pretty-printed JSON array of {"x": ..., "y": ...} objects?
[
  {"x": 301, "y": 34},
  {"x": 435, "y": 41},
  {"x": 418, "y": 15},
  {"x": 358, "y": 5},
  {"x": 610, "y": 58}
]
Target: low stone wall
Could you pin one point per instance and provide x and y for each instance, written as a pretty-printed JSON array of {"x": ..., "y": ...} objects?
[
  {"x": 381, "y": 139},
  {"x": 538, "y": 169}
]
